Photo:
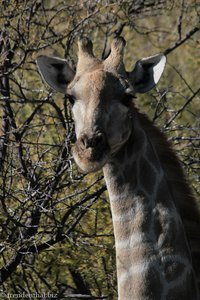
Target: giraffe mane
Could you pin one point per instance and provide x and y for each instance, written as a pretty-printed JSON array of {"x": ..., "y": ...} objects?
[{"x": 186, "y": 204}]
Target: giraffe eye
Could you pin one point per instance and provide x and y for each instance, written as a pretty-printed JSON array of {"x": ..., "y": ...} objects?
[{"x": 71, "y": 99}]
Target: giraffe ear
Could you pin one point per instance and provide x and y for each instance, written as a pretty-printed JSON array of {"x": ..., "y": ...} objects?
[
  {"x": 147, "y": 72},
  {"x": 56, "y": 72}
]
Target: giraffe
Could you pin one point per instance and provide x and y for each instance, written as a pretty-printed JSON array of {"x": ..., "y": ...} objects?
[{"x": 155, "y": 217}]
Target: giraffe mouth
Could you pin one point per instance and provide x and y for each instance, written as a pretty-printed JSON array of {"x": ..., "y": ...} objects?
[{"x": 91, "y": 159}]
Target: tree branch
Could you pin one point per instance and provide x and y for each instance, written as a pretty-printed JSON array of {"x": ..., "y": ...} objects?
[{"x": 182, "y": 41}]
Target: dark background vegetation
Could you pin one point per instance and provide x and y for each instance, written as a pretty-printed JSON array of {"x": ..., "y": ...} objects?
[{"x": 56, "y": 229}]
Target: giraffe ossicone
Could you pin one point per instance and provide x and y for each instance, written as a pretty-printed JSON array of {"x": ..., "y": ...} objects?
[{"x": 152, "y": 207}]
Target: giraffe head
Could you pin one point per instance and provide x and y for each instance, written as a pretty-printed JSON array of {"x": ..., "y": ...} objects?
[{"x": 100, "y": 92}]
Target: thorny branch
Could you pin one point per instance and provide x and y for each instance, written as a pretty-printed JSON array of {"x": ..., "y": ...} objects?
[
  {"x": 182, "y": 41},
  {"x": 49, "y": 211}
]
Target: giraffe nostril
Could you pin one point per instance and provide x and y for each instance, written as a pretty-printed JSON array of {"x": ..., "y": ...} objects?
[
  {"x": 92, "y": 142},
  {"x": 83, "y": 142}
]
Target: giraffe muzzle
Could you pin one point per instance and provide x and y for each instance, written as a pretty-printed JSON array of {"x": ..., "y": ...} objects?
[{"x": 90, "y": 151}]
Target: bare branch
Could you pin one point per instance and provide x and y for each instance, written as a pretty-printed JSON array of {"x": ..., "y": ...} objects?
[{"x": 182, "y": 41}]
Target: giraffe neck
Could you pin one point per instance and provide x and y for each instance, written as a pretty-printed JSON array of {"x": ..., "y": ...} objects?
[{"x": 152, "y": 253}]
